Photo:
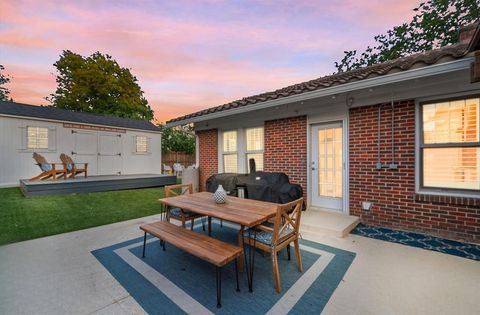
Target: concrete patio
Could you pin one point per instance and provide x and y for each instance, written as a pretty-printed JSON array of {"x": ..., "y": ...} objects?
[{"x": 58, "y": 275}]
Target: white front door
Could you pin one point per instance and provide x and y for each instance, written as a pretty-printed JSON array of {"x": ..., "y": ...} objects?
[{"x": 327, "y": 169}]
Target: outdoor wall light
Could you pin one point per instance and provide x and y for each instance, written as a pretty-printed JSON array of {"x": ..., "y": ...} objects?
[{"x": 367, "y": 205}]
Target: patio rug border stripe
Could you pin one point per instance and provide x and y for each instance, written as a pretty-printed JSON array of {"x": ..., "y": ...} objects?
[{"x": 424, "y": 241}]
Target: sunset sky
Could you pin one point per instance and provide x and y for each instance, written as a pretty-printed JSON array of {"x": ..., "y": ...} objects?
[{"x": 190, "y": 55}]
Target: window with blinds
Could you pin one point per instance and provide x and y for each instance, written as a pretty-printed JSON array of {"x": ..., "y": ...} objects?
[
  {"x": 230, "y": 156},
  {"x": 254, "y": 150},
  {"x": 450, "y": 144},
  {"x": 37, "y": 137},
  {"x": 141, "y": 144}
]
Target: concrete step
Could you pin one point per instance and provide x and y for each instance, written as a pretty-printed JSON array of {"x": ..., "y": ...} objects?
[{"x": 318, "y": 221}]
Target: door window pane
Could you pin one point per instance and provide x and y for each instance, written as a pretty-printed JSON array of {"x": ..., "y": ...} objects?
[{"x": 330, "y": 162}]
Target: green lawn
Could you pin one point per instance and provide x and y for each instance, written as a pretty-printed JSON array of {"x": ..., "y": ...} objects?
[{"x": 27, "y": 218}]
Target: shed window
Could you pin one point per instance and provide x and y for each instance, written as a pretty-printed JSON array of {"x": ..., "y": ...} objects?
[
  {"x": 37, "y": 138},
  {"x": 141, "y": 144},
  {"x": 254, "y": 139},
  {"x": 230, "y": 155},
  {"x": 450, "y": 145}
]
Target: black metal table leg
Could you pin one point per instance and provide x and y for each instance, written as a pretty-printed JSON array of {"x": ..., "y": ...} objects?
[
  {"x": 219, "y": 287},
  {"x": 250, "y": 261},
  {"x": 236, "y": 275},
  {"x": 288, "y": 251},
  {"x": 144, "y": 244}
]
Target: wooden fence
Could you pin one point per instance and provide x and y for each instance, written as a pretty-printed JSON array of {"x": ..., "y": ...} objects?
[{"x": 186, "y": 159}]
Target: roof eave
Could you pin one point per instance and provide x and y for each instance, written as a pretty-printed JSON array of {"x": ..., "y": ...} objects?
[
  {"x": 76, "y": 122},
  {"x": 450, "y": 66}
]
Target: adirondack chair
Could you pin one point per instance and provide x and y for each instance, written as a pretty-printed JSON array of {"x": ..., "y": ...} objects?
[
  {"x": 71, "y": 166},
  {"x": 48, "y": 169}
]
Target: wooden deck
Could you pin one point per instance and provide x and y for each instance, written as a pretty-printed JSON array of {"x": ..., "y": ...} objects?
[{"x": 94, "y": 184}]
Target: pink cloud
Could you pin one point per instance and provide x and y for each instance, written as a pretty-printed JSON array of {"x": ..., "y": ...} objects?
[
  {"x": 185, "y": 64},
  {"x": 30, "y": 86},
  {"x": 18, "y": 39}
]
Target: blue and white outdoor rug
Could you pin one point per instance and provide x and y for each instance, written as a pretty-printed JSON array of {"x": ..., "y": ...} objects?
[
  {"x": 175, "y": 282},
  {"x": 466, "y": 250}
]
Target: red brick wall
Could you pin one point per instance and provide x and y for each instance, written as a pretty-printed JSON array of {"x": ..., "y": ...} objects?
[
  {"x": 208, "y": 154},
  {"x": 286, "y": 149},
  {"x": 392, "y": 192}
]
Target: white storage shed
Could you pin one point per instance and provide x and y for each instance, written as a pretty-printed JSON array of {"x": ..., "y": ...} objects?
[{"x": 110, "y": 145}]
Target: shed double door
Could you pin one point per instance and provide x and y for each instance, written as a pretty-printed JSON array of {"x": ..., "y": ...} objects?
[{"x": 101, "y": 151}]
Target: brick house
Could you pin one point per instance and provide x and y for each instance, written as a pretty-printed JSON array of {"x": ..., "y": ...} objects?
[{"x": 396, "y": 144}]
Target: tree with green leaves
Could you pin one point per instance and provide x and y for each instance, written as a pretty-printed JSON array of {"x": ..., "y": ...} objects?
[
  {"x": 435, "y": 24},
  {"x": 180, "y": 139},
  {"x": 4, "y": 91},
  {"x": 97, "y": 84}
]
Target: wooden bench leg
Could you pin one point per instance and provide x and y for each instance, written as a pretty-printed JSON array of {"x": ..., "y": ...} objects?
[
  {"x": 144, "y": 244},
  {"x": 219, "y": 287}
]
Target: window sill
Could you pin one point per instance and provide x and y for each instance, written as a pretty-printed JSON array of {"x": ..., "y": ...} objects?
[
  {"x": 37, "y": 150},
  {"x": 448, "y": 198},
  {"x": 141, "y": 153}
]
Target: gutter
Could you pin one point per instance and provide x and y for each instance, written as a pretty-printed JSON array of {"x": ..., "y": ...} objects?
[{"x": 460, "y": 64}]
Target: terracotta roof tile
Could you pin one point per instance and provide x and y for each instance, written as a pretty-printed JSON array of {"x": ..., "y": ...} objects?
[{"x": 401, "y": 64}]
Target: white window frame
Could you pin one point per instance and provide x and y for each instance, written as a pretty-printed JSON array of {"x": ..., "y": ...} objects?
[
  {"x": 223, "y": 153},
  {"x": 136, "y": 145},
  {"x": 242, "y": 163},
  {"x": 419, "y": 188},
  {"x": 36, "y": 146},
  {"x": 247, "y": 152}
]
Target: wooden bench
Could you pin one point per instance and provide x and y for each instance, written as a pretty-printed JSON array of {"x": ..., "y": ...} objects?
[{"x": 202, "y": 246}]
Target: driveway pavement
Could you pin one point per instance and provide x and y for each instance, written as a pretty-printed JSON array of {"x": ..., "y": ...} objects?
[{"x": 59, "y": 275}]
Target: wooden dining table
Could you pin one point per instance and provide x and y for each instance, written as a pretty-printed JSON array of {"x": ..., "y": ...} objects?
[{"x": 247, "y": 213}]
